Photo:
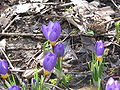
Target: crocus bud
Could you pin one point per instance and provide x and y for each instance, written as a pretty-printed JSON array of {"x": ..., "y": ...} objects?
[
  {"x": 52, "y": 31},
  {"x": 3, "y": 67},
  {"x": 25, "y": 82},
  {"x": 59, "y": 49},
  {"x": 99, "y": 50},
  {"x": 34, "y": 81},
  {"x": 112, "y": 84},
  {"x": 49, "y": 62},
  {"x": 14, "y": 87}
]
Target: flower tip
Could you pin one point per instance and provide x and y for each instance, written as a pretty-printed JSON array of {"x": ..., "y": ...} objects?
[{"x": 110, "y": 80}]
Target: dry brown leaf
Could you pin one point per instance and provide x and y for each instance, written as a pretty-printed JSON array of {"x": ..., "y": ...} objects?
[
  {"x": 86, "y": 88},
  {"x": 4, "y": 21}
]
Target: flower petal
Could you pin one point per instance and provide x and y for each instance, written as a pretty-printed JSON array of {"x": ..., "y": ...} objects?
[
  {"x": 49, "y": 61},
  {"x": 50, "y": 25},
  {"x": 59, "y": 49},
  {"x": 53, "y": 36},
  {"x": 45, "y": 31},
  {"x": 110, "y": 84},
  {"x": 99, "y": 48},
  {"x": 3, "y": 67},
  {"x": 58, "y": 27},
  {"x": 14, "y": 87},
  {"x": 54, "y": 32}
]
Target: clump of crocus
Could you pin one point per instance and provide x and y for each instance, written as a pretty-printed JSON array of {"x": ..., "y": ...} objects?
[
  {"x": 14, "y": 87},
  {"x": 52, "y": 31},
  {"x": 99, "y": 50},
  {"x": 49, "y": 62},
  {"x": 112, "y": 84},
  {"x": 59, "y": 49},
  {"x": 3, "y": 68}
]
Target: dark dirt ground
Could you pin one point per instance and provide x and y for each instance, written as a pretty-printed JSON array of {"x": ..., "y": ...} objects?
[{"x": 21, "y": 49}]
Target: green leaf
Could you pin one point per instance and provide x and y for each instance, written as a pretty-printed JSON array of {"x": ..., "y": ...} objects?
[
  {"x": 7, "y": 84},
  {"x": 59, "y": 73},
  {"x": 117, "y": 25},
  {"x": 11, "y": 79},
  {"x": 47, "y": 87},
  {"x": 101, "y": 67},
  {"x": 95, "y": 74},
  {"x": 46, "y": 46},
  {"x": 53, "y": 81},
  {"x": 90, "y": 32}
]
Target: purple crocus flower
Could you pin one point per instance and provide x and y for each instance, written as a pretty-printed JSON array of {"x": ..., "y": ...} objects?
[
  {"x": 14, "y": 87},
  {"x": 99, "y": 49},
  {"x": 3, "y": 67},
  {"x": 49, "y": 61},
  {"x": 59, "y": 49},
  {"x": 112, "y": 84},
  {"x": 52, "y": 31}
]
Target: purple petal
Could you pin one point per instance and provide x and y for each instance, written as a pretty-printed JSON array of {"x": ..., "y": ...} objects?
[
  {"x": 14, "y": 87},
  {"x": 53, "y": 36},
  {"x": 111, "y": 81},
  {"x": 58, "y": 27},
  {"x": 25, "y": 82},
  {"x": 49, "y": 61},
  {"x": 50, "y": 25},
  {"x": 59, "y": 49},
  {"x": 112, "y": 84},
  {"x": 45, "y": 31},
  {"x": 99, "y": 48},
  {"x": 117, "y": 85},
  {"x": 3, "y": 67},
  {"x": 33, "y": 81},
  {"x": 54, "y": 32}
]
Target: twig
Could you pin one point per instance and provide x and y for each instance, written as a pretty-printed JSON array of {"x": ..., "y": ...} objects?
[
  {"x": 110, "y": 21},
  {"x": 15, "y": 70},
  {"x": 20, "y": 34},
  {"x": 41, "y": 35},
  {"x": 64, "y": 5},
  {"x": 20, "y": 80},
  {"x": 7, "y": 59},
  {"x": 31, "y": 73},
  {"x": 115, "y": 4},
  {"x": 33, "y": 57},
  {"x": 9, "y": 24}
]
